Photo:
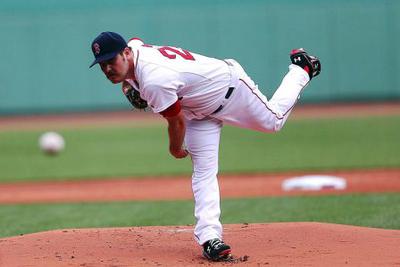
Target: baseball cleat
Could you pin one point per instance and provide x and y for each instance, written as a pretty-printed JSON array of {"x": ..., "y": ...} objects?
[
  {"x": 216, "y": 250},
  {"x": 310, "y": 64}
]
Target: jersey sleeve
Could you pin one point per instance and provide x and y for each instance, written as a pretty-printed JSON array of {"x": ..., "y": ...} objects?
[
  {"x": 160, "y": 90},
  {"x": 172, "y": 110},
  {"x": 135, "y": 43}
]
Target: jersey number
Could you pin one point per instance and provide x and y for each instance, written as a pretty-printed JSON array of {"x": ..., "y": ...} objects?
[{"x": 171, "y": 53}]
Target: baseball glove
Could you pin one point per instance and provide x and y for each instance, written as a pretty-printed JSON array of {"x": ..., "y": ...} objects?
[{"x": 133, "y": 96}]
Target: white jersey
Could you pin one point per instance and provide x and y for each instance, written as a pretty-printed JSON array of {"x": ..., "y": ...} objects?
[{"x": 165, "y": 74}]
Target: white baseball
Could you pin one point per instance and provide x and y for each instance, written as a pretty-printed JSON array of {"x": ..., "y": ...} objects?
[{"x": 51, "y": 143}]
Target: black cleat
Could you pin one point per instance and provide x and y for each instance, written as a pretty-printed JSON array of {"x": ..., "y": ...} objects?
[
  {"x": 216, "y": 250},
  {"x": 309, "y": 63}
]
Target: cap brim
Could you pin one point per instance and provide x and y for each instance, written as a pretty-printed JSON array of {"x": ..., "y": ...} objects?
[{"x": 104, "y": 58}]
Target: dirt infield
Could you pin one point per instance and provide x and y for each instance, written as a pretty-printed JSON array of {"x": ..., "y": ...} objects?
[
  {"x": 232, "y": 186},
  {"x": 143, "y": 119},
  {"x": 277, "y": 244}
]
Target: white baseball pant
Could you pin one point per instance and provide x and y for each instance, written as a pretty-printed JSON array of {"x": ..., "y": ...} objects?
[{"x": 248, "y": 108}]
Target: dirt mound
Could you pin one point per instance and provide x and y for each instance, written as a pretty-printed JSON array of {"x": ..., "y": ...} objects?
[{"x": 276, "y": 244}]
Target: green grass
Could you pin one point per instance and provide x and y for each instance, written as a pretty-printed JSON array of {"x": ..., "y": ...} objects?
[
  {"x": 315, "y": 145},
  {"x": 115, "y": 152},
  {"x": 372, "y": 210},
  {"x": 90, "y": 153}
]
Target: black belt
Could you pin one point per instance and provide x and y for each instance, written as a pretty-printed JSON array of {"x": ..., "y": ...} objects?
[{"x": 228, "y": 94}]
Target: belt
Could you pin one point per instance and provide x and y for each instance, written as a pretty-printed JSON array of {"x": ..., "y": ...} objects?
[{"x": 228, "y": 94}]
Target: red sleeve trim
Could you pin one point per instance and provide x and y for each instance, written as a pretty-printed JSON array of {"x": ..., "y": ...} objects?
[
  {"x": 135, "y": 38},
  {"x": 172, "y": 110}
]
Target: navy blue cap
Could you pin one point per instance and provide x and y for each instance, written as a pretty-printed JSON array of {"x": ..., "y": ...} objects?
[{"x": 106, "y": 46}]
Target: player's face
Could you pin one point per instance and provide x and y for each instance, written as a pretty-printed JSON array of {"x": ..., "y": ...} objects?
[{"x": 115, "y": 69}]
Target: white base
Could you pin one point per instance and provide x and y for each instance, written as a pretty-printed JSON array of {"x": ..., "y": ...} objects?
[{"x": 314, "y": 183}]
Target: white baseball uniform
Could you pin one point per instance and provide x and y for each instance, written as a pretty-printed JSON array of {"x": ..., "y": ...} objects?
[{"x": 211, "y": 92}]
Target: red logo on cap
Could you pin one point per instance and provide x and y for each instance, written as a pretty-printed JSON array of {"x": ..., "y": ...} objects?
[{"x": 96, "y": 48}]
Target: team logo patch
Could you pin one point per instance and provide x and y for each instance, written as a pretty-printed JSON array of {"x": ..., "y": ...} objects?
[{"x": 96, "y": 48}]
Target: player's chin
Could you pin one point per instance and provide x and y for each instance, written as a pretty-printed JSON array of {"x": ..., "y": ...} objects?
[{"x": 115, "y": 79}]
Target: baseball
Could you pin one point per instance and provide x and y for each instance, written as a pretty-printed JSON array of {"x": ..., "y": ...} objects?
[{"x": 51, "y": 143}]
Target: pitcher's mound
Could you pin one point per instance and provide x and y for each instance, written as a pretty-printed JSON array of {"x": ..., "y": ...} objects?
[{"x": 276, "y": 244}]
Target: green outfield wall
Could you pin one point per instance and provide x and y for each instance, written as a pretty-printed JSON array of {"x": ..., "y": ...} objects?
[{"x": 45, "y": 46}]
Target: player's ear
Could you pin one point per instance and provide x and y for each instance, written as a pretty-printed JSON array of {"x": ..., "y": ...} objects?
[{"x": 127, "y": 51}]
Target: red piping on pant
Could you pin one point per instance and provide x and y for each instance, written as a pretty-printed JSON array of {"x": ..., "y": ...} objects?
[{"x": 265, "y": 104}]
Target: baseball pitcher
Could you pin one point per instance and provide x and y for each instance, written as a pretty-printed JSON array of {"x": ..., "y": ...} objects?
[{"x": 197, "y": 95}]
